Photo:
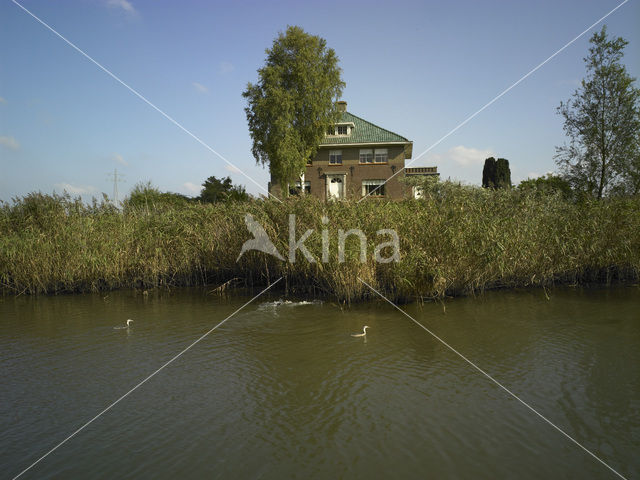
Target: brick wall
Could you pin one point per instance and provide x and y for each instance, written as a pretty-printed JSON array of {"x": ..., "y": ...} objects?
[{"x": 354, "y": 172}]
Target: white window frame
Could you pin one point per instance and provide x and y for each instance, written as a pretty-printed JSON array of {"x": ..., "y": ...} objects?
[
  {"x": 333, "y": 154},
  {"x": 366, "y": 151},
  {"x": 307, "y": 186},
  {"x": 373, "y": 183},
  {"x": 334, "y": 130},
  {"x": 382, "y": 154}
]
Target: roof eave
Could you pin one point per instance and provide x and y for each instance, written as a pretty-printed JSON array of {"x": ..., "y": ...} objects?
[{"x": 363, "y": 144}]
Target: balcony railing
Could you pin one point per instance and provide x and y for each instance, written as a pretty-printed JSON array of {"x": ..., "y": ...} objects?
[{"x": 421, "y": 171}]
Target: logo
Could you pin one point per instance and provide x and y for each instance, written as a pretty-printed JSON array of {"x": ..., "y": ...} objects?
[{"x": 262, "y": 243}]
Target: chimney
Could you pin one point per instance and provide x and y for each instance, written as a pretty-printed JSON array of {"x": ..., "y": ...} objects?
[{"x": 342, "y": 106}]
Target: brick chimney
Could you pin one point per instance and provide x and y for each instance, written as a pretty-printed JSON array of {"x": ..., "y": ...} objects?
[{"x": 342, "y": 106}]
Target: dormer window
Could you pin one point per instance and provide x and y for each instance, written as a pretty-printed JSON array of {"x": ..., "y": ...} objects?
[{"x": 340, "y": 130}]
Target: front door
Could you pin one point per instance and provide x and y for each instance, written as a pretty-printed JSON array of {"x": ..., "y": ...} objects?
[{"x": 335, "y": 187}]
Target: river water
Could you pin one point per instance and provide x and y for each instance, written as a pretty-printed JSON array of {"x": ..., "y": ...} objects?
[{"x": 282, "y": 389}]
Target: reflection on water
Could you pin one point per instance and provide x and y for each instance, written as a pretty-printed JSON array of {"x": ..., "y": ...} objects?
[{"x": 282, "y": 390}]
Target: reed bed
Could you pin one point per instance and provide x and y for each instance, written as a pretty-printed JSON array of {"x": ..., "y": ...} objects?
[{"x": 457, "y": 240}]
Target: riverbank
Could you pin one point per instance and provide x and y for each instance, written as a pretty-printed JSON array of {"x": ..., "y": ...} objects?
[{"x": 458, "y": 240}]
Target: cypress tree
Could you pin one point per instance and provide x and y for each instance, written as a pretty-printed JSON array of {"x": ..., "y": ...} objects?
[
  {"x": 489, "y": 173},
  {"x": 503, "y": 174},
  {"x": 496, "y": 173}
]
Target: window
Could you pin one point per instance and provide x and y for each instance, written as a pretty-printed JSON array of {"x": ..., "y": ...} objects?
[
  {"x": 366, "y": 155},
  {"x": 296, "y": 190},
  {"x": 373, "y": 187},
  {"x": 339, "y": 130},
  {"x": 335, "y": 157},
  {"x": 381, "y": 155}
]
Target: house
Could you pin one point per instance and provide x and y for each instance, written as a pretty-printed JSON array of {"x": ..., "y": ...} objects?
[{"x": 357, "y": 158}]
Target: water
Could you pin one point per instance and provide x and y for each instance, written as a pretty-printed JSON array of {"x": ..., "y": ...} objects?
[{"x": 282, "y": 390}]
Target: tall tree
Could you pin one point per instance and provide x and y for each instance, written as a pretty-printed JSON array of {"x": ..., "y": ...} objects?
[
  {"x": 221, "y": 190},
  {"x": 489, "y": 173},
  {"x": 601, "y": 120},
  {"x": 496, "y": 173},
  {"x": 503, "y": 173},
  {"x": 293, "y": 103},
  {"x": 630, "y": 184}
]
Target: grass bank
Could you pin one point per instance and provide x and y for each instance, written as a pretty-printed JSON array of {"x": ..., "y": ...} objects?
[{"x": 457, "y": 240}]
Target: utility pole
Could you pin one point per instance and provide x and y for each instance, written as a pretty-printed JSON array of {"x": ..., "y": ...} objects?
[{"x": 116, "y": 177}]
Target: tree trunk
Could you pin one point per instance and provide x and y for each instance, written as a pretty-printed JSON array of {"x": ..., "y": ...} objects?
[{"x": 601, "y": 182}]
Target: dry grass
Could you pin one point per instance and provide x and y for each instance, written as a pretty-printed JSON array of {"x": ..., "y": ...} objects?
[{"x": 458, "y": 240}]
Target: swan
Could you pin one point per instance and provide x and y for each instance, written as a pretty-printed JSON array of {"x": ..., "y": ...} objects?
[
  {"x": 364, "y": 332},
  {"x": 129, "y": 322}
]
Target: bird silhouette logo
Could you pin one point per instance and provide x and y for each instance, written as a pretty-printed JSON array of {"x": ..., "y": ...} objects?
[{"x": 260, "y": 241}]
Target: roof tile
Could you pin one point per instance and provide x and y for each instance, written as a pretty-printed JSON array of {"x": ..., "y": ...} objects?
[{"x": 363, "y": 132}]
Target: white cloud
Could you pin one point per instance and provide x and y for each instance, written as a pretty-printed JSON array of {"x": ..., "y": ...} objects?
[
  {"x": 76, "y": 189},
  {"x": 118, "y": 158},
  {"x": 466, "y": 156},
  {"x": 226, "y": 67},
  {"x": 232, "y": 169},
  {"x": 191, "y": 187},
  {"x": 124, "y": 5},
  {"x": 200, "y": 88},
  {"x": 2, "y": 100},
  {"x": 9, "y": 142}
]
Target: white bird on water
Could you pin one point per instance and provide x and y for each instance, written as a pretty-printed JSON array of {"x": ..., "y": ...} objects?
[
  {"x": 364, "y": 332},
  {"x": 129, "y": 322}
]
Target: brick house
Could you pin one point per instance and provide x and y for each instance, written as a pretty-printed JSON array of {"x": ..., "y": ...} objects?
[{"x": 355, "y": 158}]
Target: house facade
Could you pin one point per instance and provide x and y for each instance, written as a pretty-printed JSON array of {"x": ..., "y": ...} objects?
[{"x": 357, "y": 158}]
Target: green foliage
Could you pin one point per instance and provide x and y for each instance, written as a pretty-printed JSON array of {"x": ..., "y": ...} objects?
[
  {"x": 496, "y": 173},
  {"x": 293, "y": 103},
  {"x": 222, "y": 190},
  {"x": 489, "y": 173},
  {"x": 629, "y": 184},
  {"x": 439, "y": 192},
  {"x": 145, "y": 195},
  {"x": 457, "y": 240},
  {"x": 503, "y": 173},
  {"x": 602, "y": 121},
  {"x": 547, "y": 185}
]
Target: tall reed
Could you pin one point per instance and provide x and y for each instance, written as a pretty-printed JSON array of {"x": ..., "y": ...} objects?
[{"x": 456, "y": 240}]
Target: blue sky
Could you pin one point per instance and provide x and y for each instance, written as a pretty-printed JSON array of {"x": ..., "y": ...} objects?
[{"x": 417, "y": 68}]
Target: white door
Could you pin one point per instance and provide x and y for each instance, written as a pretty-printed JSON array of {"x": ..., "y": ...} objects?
[{"x": 335, "y": 187}]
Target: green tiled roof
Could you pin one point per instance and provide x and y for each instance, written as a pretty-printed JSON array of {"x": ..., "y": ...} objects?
[{"x": 363, "y": 132}]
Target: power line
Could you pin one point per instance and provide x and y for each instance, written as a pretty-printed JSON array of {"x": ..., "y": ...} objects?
[{"x": 116, "y": 178}]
